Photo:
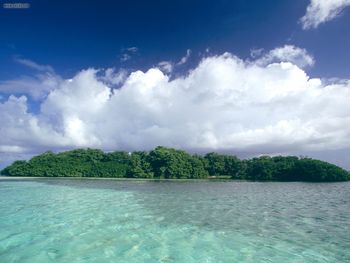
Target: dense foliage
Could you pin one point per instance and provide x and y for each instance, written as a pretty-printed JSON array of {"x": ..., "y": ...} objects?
[{"x": 170, "y": 163}]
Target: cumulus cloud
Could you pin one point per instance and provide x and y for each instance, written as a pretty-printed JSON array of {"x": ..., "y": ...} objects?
[
  {"x": 321, "y": 11},
  {"x": 224, "y": 104},
  {"x": 287, "y": 53}
]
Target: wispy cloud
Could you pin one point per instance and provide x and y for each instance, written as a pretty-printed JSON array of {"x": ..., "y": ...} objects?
[
  {"x": 185, "y": 58},
  {"x": 33, "y": 65},
  {"x": 287, "y": 53},
  {"x": 256, "y": 52},
  {"x": 125, "y": 57},
  {"x": 37, "y": 86},
  {"x": 132, "y": 49},
  {"x": 321, "y": 11},
  {"x": 166, "y": 66},
  {"x": 114, "y": 77},
  {"x": 127, "y": 53}
]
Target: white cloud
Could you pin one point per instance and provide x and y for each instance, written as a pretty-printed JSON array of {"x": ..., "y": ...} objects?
[
  {"x": 114, "y": 77},
  {"x": 169, "y": 66},
  {"x": 287, "y": 53},
  {"x": 224, "y": 104},
  {"x": 125, "y": 57},
  {"x": 22, "y": 131},
  {"x": 33, "y": 65},
  {"x": 127, "y": 53},
  {"x": 166, "y": 66},
  {"x": 132, "y": 49},
  {"x": 256, "y": 52},
  {"x": 185, "y": 58},
  {"x": 37, "y": 86},
  {"x": 321, "y": 11}
]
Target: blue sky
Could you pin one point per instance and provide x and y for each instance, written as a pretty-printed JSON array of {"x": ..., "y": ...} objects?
[
  {"x": 243, "y": 59},
  {"x": 71, "y": 35}
]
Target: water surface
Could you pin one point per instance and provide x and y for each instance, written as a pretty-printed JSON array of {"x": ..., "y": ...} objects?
[{"x": 70, "y": 220}]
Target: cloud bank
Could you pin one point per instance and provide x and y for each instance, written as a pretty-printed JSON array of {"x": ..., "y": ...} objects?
[
  {"x": 224, "y": 104},
  {"x": 321, "y": 11}
]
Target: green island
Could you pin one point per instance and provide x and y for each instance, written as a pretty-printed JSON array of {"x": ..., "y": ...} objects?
[{"x": 168, "y": 163}]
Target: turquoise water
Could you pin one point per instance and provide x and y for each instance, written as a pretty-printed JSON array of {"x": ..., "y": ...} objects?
[{"x": 69, "y": 220}]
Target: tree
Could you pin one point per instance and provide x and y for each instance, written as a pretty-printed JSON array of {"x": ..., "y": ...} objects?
[
  {"x": 216, "y": 164},
  {"x": 165, "y": 162},
  {"x": 261, "y": 168},
  {"x": 171, "y": 163},
  {"x": 140, "y": 167}
]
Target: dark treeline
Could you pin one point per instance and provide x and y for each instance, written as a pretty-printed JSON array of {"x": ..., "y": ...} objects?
[{"x": 170, "y": 163}]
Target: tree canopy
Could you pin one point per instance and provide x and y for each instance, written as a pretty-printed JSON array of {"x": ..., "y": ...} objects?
[{"x": 170, "y": 163}]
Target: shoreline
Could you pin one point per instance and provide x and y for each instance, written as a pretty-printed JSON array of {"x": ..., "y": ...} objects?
[
  {"x": 24, "y": 178},
  {"x": 111, "y": 178}
]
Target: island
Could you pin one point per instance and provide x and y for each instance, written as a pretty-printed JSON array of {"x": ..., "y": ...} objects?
[{"x": 168, "y": 163}]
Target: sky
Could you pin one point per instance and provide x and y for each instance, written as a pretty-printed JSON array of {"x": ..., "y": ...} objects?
[{"x": 243, "y": 77}]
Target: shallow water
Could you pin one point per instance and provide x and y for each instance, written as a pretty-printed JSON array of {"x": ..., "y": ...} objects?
[{"x": 70, "y": 220}]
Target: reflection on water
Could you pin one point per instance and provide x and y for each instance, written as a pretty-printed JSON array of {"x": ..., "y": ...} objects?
[{"x": 64, "y": 220}]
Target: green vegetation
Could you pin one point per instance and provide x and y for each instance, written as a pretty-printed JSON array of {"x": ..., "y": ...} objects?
[{"x": 174, "y": 164}]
